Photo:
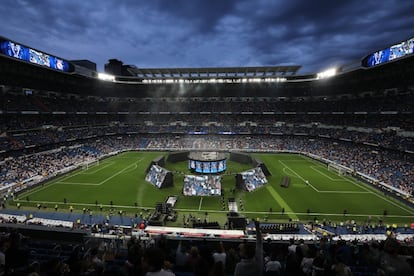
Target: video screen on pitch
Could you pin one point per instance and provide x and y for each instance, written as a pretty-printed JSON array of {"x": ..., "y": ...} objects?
[
  {"x": 207, "y": 166},
  {"x": 156, "y": 175},
  {"x": 202, "y": 185},
  {"x": 253, "y": 179}
]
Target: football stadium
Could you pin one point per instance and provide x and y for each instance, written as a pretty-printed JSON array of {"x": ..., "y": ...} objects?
[{"x": 196, "y": 160}]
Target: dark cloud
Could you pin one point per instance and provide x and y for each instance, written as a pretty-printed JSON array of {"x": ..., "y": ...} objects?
[
  {"x": 203, "y": 15},
  {"x": 194, "y": 33}
]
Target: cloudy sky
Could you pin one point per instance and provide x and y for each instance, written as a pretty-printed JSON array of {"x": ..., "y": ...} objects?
[{"x": 316, "y": 34}]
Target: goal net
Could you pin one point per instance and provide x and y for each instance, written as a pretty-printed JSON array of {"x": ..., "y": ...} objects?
[
  {"x": 339, "y": 169},
  {"x": 89, "y": 163}
]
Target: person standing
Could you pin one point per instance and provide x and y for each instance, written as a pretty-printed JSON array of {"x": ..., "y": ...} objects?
[{"x": 251, "y": 262}]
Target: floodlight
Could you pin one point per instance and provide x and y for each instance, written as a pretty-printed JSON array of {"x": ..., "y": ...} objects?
[
  {"x": 327, "y": 73},
  {"x": 106, "y": 77}
]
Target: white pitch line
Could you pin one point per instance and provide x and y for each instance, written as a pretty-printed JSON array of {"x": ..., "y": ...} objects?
[
  {"x": 345, "y": 192},
  {"x": 214, "y": 211},
  {"x": 78, "y": 183},
  {"x": 376, "y": 193},
  {"x": 284, "y": 170},
  {"x": 327, "y": 192},
  {"x": 95, "y": 171},
  {"x": 71, "y": 175},
  {"x": 201, "y": 202},
  {"x": 136, "y": 166},
  {"x": 55, "y": 181},
  {"x": 304, "y": 180},
  {"x": 102, "y": 182},
  {"x": 118, "y": 173},
  {"x": 36, "y": 189},
  {"x": 324, "y": 174},
  {"x": 63, "y": 177}
]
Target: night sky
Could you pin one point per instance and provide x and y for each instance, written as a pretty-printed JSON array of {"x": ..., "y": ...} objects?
[{"x": 316, "y": 34}]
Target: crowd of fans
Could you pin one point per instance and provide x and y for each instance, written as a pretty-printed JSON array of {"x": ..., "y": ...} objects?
[
  {"x": 36, "y": 120},
  {"x": 49, "y": 102},
  {"x": 17, "y": 170},
  {"x": 23, "y": 140},
  {"x": 390, "y": 167},
  {"x": 157, "y": 255}
]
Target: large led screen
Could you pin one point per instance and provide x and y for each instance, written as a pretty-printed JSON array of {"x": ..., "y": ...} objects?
[
  {"x": 207, "y": 166},
  {"x": 24, "y": 53},
  {"x": 253, "y": 179},
  {"x": 202, "y": 185},
  {"x": 389, "y": 54},
  {"x": 156, "y": 175}
]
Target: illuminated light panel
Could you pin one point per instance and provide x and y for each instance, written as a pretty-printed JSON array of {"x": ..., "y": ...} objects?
[
  {"x": 106, "y": 77},
  {"x": 327, "y": 73}
]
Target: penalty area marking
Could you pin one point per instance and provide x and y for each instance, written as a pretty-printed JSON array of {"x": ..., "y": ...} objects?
[
  {"x": 62, "y": 177},
  {"x": 368, "y": 191},
  {"x": 97, "y": 170},
  {"x": 127, "y": 169},
  {"x": 325, "y": 192},
  {"x": 324, "y": 174},
  {"x": 291, "y": 175},
  {"x": 85, "y": 184}
]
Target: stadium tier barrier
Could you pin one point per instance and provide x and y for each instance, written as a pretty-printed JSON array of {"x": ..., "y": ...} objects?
[{"x": 21, "y": 221}]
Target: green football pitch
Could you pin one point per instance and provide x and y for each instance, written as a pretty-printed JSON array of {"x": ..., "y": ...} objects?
[{"x": 121, "y": 180}]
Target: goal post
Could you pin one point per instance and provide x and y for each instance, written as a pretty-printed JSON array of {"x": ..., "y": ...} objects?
[
  {"x": 338, "y": 169},
  {"x": 89, "y": 163}
]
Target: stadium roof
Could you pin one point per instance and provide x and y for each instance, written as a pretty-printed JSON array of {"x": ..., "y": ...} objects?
[{"x": 266, "y": 71}]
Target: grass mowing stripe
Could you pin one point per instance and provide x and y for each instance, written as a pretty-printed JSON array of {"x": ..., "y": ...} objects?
[
  {"x": 281, "y": 202},
  {"x": 130, "y": 187}
]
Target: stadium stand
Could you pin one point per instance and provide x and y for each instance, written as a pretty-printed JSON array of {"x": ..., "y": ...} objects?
[{"x": 68, "y": 121}]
